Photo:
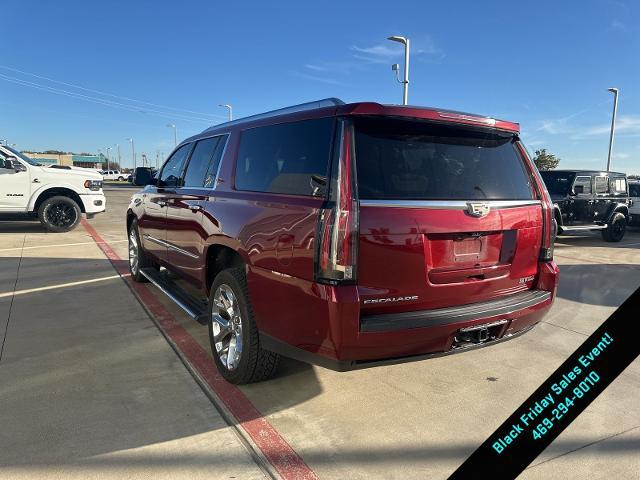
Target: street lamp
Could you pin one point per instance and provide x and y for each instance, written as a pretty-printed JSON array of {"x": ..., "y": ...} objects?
[
  {"x": 613, "y": 124},
  {"x": 230, "y": 108},
  {"x": 108, "y": 157},
  {"x": 175, "y": 133},
  {"x": 395, "y": 67},
  {"x": 133, "y": 153},
  {"x": 119, "y": 158}
]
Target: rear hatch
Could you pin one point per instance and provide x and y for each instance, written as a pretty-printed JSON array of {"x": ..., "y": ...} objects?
[{"x": 448, "y": 215}]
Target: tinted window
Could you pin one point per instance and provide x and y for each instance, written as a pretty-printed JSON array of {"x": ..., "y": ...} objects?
[
  {"x": 210, "y": 177},
  {"x": 172, "y": 170},
  {"x": 582, "y": 185},
  {"x": 602, "y": 184},
  {"x": 199, "y": 163},
  {"x": 282, "y": 158},
  {"x": 558, "y": 183},
  {"x": 619, "y": 185},
  {"x": 634, "y": 189},
  {"x": 399, "y": 159}
]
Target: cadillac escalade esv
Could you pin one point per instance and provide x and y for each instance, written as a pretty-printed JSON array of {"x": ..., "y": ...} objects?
[{"x": 349, "y": 235}]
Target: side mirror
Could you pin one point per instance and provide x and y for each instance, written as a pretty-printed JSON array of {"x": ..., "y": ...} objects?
[
  {"x": 578, "y": 189},
  {"x": 8, "y": 164}
]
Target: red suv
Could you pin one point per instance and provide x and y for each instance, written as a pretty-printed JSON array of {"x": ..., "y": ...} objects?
[{"x": 348, "y": 235}]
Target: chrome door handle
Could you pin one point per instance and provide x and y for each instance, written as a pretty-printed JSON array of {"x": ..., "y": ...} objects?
[{"x": 195, "y": 208}]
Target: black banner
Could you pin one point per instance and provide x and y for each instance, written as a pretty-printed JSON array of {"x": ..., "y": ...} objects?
[{"x": 561, "y": 398}]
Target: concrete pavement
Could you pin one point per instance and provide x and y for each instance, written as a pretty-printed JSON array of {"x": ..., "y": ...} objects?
[
  {"x": 88, "y": 386},
  {"x": 422, "y": 419}
]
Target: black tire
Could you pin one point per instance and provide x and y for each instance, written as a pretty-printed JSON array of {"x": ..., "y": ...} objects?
[
  {"x": 143, "y": 261},
  {"x": 59, "y": 214},
  {"x": 615, "y": 229},
  {"x": 121, "y": 179},
  {"x": 254, "y": 364}
]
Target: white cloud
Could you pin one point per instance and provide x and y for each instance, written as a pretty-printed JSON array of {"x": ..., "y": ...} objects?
[
  {"x": 625, "y": 125},
  {"x": 381, "y": 50},
  {"x": 618, "y": 25},
  {"x": 316, "y": 78}
]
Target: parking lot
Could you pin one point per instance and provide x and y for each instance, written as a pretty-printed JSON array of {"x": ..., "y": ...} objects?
[{"x": 99, "y": 378}]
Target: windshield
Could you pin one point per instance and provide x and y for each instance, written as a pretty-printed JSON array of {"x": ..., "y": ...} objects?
[
  {"x": 558, "y": 183},
  {"x": 413, "y": 160},
  {"x": 22, "y": 156}
]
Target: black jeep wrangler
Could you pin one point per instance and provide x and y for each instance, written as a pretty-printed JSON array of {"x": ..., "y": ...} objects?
[{"x": 589, "y": 200}]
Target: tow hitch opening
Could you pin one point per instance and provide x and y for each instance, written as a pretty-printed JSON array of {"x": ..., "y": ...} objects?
[{"x": 478, "y": 334}]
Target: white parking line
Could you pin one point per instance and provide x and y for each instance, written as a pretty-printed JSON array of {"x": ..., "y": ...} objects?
[
  {"x": 55, "y": 246},
  {"x": 61, "y": 285}
]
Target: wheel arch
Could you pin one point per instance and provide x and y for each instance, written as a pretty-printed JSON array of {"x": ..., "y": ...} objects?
[
  {"x": 220, "y": 256},
  {"x": 619, "y": 208},
  {"x": 57, "y": 192}
]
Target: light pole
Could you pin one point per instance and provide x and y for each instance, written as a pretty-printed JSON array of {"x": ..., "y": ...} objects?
[
  {"x": 230, "y": 108},
  {"x": 613, "y": 124},
  {"x": 175, "y": 133},
  {"x": 108, "y": 157},
  {"x": 119, "y": 158},
  {"x": 405, "y": 82},
  {"x": 133, "y": 153}
]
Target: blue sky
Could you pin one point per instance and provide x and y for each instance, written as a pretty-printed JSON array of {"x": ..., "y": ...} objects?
[{"x": 143, "y": 65}]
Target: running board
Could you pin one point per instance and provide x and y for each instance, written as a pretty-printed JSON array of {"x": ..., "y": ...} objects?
[
  {"x": 194, "y": 308},
  {"x": 583, "y": 228}
]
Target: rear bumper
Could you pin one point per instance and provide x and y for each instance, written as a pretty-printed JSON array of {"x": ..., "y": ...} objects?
[
  {"x": 453, "y": 315},
  {"x": 323, "y": 324}
]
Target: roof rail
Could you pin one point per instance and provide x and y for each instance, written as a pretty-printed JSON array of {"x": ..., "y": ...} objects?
[{"x": 325, "y": 102}]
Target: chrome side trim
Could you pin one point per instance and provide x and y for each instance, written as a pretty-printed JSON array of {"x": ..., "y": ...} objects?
[
  {"x": 169, "y": 245},
  {"x": 189, "y": 311},
  {"x": 447, "y": 204}
]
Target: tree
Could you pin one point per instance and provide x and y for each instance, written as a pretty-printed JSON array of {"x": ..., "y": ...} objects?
[{"x": 545, "y": 161}]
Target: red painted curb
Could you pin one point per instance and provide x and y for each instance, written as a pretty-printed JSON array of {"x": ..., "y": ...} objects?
[{"x": 272, "y": 445}]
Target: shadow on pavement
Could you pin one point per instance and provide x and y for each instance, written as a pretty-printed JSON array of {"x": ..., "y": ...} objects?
[
  {"x": 594, "y": 239},
  {"x": 598, "y": 284},
  {"x": 85, "y": 372},
  {"x": 20, "y": 223}
]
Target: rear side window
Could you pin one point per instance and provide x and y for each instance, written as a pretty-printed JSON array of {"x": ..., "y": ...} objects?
[
  {"x": 602, "y": 184},
  {"x": 411, "y": 160},
  {"x": 634, "y": 189},
  {"x": 582, "y": 185},
  {"x": 619, "y": 185},
  {"x": 199, "y": 163},
  {"x": 173, "y": 167},
  {"x": 283, "y": 158}
]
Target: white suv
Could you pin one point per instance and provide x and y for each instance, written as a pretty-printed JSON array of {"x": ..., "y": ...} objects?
[
  {"x": 114, "y": 175},
  {"x": 58, "y": 197}
]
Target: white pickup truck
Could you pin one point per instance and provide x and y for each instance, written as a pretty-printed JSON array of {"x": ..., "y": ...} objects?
[
  {"x": 57, "y": 196},
  {"x": 116, "y": 175}
]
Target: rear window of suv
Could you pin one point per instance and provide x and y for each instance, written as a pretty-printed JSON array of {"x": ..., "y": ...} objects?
[{"x": 413, "y": 160}]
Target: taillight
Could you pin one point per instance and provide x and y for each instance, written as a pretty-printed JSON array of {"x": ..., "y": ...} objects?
[
  {"x": 549, "y": 231},
  {"x": 337, "y": 245},
  {"x": 549, "y": 225}
]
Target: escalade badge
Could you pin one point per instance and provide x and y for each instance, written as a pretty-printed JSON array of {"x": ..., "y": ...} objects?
[{"x": 477, "y": 209}]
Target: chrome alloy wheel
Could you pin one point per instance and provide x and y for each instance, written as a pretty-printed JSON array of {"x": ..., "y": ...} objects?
[
  {"x": 227, "y": 327},
  {"x": 133, "y": 251}
]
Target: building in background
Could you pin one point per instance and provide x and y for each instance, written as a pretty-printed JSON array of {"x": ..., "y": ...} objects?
[{"x": 68, "y": 159}]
